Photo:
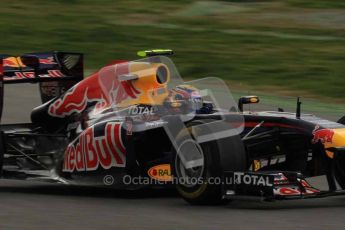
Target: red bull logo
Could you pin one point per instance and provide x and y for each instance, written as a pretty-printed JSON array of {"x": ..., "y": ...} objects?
[
  {"x": 24, "y": 75},
  {"x": 323, "y": 135},
  {"x": 15, "y": 62},
  {"x": 104, "y": 88},
  {"x": 47, "y": 61},
  {"x": 91, "y": 150},
  {"x": 10, "y": 62}
]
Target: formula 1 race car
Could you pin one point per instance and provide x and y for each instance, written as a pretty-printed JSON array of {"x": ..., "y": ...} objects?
[{"x": 134, "y": 124}]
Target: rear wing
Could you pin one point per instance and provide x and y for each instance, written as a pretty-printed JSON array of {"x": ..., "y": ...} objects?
[
  {"x": 55, "y": 71},
  {"x": 42, "y": 67}
]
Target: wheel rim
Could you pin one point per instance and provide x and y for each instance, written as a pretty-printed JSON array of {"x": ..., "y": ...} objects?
[{"x": 189, "y": 177}]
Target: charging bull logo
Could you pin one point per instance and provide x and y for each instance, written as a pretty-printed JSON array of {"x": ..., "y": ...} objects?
[
  {"x": 15, "y": 62},
  {"x": 103, "y": 87},
  {"x": 96, "y": 147},
  {"x": 323, "y": 135},
  {"x": 12, "y": 62}
]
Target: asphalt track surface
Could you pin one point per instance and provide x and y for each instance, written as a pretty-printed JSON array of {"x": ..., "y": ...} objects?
[{"x": 33, "y": 205}]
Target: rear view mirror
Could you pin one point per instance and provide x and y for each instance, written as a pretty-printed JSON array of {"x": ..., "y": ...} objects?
[{"x": 247, "y": 100}]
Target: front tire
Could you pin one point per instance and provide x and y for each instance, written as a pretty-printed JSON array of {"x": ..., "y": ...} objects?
[{"x": 202, "y": 185}]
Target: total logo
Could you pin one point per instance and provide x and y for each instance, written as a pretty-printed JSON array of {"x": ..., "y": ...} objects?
[
  {"x": 252, "y": 179},
  {"x": 160, "y": 172},
  {"x": 141, "y": 110}
]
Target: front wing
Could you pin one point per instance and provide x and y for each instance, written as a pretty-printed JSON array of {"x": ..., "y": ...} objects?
[{"x": 269, "y": 186}]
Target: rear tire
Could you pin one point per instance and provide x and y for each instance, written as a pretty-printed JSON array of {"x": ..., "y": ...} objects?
[{"x": 203, "y": 192}]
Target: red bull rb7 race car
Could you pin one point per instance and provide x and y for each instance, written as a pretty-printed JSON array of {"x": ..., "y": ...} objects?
[{"x": 135, "y": 124}]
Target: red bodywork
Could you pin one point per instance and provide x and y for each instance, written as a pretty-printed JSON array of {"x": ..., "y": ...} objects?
[
  {"x": 102, "y": 87},
  {"x": 323, "y": 135}
]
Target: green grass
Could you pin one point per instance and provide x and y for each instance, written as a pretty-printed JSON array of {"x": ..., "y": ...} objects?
[
  {"x": 289, "y": 46},
  {"x": 318, "y": 3},
  {"x": 306, "y": 4}
]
